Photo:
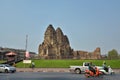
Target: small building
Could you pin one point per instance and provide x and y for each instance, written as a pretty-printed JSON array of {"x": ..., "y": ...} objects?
[
  {"x": 20, "y": 53},
  {"x": 11, "y": 56}
]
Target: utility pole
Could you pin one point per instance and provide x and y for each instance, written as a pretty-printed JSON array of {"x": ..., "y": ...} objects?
[{"x": 26, "y": 45}]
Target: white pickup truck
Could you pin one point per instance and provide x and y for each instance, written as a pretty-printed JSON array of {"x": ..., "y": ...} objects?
[{"x": 79, "y": 69}]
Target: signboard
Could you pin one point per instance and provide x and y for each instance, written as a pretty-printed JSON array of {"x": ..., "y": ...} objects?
[{"x": 26, "y": 61}]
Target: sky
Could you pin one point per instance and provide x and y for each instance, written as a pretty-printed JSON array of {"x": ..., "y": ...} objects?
[{"x": 87, "y": 23}]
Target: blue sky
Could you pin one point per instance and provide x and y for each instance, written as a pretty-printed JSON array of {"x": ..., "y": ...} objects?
[{"x": 87, "y": 23}]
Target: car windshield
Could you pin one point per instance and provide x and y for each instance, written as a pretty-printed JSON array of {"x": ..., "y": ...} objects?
[{"x": 7, "y": 65}]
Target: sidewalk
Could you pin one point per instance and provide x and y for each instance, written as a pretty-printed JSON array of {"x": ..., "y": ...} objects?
[
  {"x": 42, "y": 70},
  {"x": 50, "y": 70}
]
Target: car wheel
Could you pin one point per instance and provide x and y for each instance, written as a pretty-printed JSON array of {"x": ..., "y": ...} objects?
[
  {"x": 6, "y": 71},
  {"x": 13, "y": 71},
  {"x": 78, "y": 71}
]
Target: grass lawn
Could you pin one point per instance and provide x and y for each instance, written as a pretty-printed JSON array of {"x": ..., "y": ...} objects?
[
  {"x": 67, "y": 63},
  {"x": 1, "y": 61}
]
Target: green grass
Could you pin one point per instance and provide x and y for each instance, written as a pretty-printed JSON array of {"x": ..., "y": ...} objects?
[
  {"x": 1, "y": 61},
  {"x": 67, "y": 63}
]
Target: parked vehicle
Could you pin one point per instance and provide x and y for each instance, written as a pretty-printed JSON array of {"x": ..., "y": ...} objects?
[
  {"x": 79, "y": 69},
  {"x": 7, "y": 68}
]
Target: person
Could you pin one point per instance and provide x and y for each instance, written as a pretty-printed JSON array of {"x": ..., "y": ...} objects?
[
  {"x": 91, "y": 68},
  {"x": 33, "y": 65},
  {"x": 97, "y": 71},
  {"x": 14, "y": 64},
  {"x": 104, "y": 66}
]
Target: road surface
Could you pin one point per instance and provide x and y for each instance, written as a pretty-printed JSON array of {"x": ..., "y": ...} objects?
[{"x": 53, "y": 76}]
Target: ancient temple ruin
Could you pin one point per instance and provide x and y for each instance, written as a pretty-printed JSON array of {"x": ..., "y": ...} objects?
[
  {"x": 87, "y": 55},
  {"x": 56, "y": 46}
]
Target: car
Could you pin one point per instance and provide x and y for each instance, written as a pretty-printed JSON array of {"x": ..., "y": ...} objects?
[{"x": 7, "y": 68}]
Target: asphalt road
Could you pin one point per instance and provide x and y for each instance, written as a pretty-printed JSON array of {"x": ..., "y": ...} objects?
[{"x": 53, "y": 76}]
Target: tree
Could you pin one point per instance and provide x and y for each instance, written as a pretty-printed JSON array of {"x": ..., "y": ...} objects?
[
  {"x": 119, "y": 56},
  {"x": 113, "y": 54}
]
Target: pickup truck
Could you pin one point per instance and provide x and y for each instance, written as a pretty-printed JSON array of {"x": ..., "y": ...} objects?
[{"x": 79, "y": 69}]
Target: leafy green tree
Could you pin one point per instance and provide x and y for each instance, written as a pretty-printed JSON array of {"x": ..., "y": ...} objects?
[
  {"x": 119, "y": 56},
  {"x": 113, "y": 54}
]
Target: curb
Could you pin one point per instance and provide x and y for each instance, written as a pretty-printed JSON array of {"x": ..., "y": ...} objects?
[{"x": 50, "y": 70}]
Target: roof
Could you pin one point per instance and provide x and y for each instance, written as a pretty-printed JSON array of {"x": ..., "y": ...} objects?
[{"x": 11, "y": 53}]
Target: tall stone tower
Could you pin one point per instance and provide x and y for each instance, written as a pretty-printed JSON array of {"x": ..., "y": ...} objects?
[{"x": 55, "y": 45}]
